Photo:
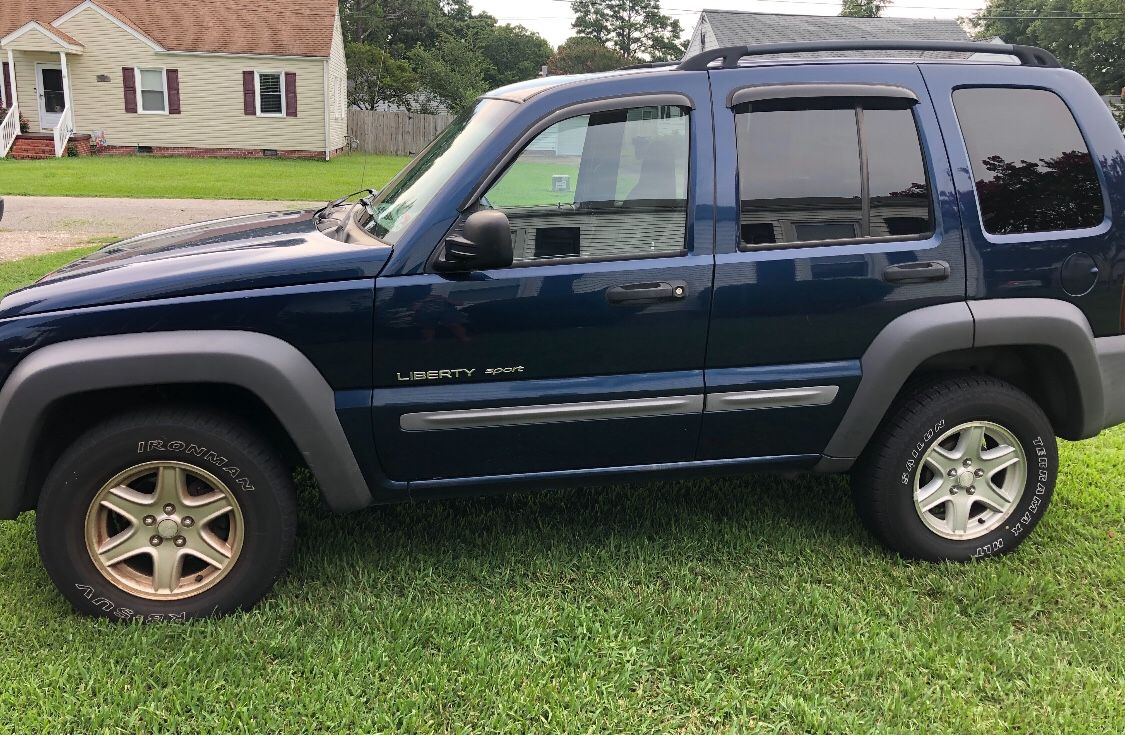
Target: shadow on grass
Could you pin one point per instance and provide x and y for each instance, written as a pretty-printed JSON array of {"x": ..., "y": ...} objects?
[{"x": 722, "y": 521}]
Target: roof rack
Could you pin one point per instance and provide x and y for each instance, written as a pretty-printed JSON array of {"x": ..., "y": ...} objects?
[
  {"x": 731, "y": 55},
  {"x": 648, "y": 65}
]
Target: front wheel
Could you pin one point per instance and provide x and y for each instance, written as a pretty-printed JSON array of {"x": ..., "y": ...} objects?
[
  {"x": 166, "y": 515},
  {"x": 961, "y": 468}
]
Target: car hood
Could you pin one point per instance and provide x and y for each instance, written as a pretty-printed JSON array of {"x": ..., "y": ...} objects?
[{"x": 239, "y": 253}]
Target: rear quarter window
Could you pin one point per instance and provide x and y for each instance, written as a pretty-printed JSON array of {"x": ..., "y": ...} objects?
[{"x": 1031, "y": 167}]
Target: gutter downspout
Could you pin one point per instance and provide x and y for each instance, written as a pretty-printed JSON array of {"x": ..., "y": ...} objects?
[{"x": 327, "y": 114}]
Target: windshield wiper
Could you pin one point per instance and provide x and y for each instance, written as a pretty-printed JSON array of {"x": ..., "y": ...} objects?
[{"x": 341, "y": 200}]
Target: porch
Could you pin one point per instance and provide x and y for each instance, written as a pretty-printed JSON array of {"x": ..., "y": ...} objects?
[{"x": 36, "y": 88}]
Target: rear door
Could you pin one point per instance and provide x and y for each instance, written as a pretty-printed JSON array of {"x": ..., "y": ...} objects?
[
  {"x": 836, "y": 217},
  {"x": 586, "y": 353}
]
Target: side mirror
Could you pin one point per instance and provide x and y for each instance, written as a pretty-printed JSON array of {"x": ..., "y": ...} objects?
[{"x": 485, "y": 242}]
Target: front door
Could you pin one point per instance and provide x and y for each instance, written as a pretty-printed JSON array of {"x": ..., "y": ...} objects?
[
  {"x": 837, "y": 219},
  {"x": 587, "y": 353},
  {"x": 52, "y": 100}
]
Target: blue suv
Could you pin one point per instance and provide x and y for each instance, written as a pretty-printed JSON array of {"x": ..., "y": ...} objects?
[{"x": 909, "y": 269}]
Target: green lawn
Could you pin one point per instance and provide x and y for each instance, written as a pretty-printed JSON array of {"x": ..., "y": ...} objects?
[
  {"x": 744, "y": 605},
  {"x": 198, "y": 178}
]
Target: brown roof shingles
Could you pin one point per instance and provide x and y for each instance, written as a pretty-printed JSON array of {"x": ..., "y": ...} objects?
[{"x": 274, "y": 28}]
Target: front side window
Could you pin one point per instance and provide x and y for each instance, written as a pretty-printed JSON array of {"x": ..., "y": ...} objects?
[
  {"x": 829, "y": 170},
  {"x": 603, "y": 185},
  {"x": 1032, "y": 169},
  {"x": 154, "y": 97},
  {"x": 271, "y": 100}
]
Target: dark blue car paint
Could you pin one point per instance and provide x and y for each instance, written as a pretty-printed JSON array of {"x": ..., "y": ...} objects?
[
  {"x": 1028, "y": 266},
  {"x": 366, "y": 315}
]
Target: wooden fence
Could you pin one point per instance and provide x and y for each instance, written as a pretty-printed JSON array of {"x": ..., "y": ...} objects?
[{"x": 394, "y": 133}]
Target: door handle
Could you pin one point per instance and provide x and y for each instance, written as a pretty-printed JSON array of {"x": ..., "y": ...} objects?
[
  {"x": 647, "y": 292},
  {"x": 926, "y": 270}
]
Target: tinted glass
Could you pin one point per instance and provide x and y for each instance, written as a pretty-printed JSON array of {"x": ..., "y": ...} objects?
[
  {"x": 801, "y": 174},
  {"x": 600, "y": 185},
  {"x": 900, "y": 195},
  {"x": 1032, "y": 169}
]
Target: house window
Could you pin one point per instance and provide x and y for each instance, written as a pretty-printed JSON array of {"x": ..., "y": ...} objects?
[
  {"x": 271, "y": 97},
  {"x": 154, "y": 90}
]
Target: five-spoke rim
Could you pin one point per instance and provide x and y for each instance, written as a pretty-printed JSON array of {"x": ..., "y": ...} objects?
[
  {"x": 970, "y": 480},
  {"x": 164, "y": 530}
]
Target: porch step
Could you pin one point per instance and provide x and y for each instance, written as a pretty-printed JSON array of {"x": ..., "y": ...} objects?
[{"x": 40, "y": 146}]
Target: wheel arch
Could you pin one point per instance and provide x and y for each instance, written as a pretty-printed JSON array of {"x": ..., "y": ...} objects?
[
  {"x": 257, "y": 374},
  {"x": 1043, "y": 346}
]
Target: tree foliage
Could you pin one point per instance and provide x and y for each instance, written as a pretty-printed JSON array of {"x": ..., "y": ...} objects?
[
  {"x": 864, "y": 8},
  {"x": 420, "y": 54},
  {"x": 580, "y": 55},
  {"x": 1093, "y": 46},
  {"x": 635, "y": 29},
  {"x": 378, "y": 77}
]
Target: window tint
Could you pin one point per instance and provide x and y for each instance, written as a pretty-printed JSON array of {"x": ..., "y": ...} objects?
[
  {"x": 599, "y": 185},
  {"x": 270, "y": 100},
  {"x": 1032, "y": 169},
  {"x": 801, "y": 173},
  {"x": 152, "y": 90}
]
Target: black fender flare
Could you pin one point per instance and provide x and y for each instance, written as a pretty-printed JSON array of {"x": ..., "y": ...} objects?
[
  {"x": 911, "y": 339},
  {"x": 273, "y": 370}
]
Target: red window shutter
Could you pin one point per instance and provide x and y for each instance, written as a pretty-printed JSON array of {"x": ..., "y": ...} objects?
[
  {"x": 7, "y": 82},
  {"x": 290, "y": 94},
  {"x": 249, "y": 104},
  {"x": 129, "y": 82},
  {"x": 173, "y": 91}
]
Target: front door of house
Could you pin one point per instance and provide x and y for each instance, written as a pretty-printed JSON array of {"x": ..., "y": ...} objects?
[{"x": 52, "y": 100}]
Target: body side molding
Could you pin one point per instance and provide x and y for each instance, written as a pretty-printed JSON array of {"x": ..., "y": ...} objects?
[{"x": 273, "y": 370}]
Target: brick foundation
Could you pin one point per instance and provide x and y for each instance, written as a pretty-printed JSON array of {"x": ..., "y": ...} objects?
[
  {"x": 30, "y": 147},
  {"x": 159, "y": 151}
]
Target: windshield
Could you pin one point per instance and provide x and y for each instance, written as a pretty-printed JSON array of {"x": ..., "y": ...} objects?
[{"x": 397, "y": 205}]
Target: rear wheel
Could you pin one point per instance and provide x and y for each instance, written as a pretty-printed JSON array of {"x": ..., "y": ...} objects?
[
  {"x": 961, "y": 468},
  {"x": 167, "y": 514}
]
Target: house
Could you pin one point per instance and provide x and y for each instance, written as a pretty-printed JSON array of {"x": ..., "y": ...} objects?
[
  {"x": 173, "y": 77},
  {"x": 719, "y": 28}
]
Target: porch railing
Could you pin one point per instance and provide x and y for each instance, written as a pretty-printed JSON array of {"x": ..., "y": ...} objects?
[
  {"x": 63, "y": 131},
  {"x": 9, "y": 129}
]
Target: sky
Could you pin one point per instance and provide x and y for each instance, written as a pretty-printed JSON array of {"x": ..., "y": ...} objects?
[{"x": 552, "y": 18}]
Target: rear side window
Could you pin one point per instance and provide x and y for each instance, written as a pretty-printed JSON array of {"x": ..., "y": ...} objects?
[
  {"x": 826, "y": 170},
  {"x": 1032, "y": 169}
]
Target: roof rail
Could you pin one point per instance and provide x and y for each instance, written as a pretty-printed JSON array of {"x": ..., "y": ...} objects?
[
  {"x": 731, "y": 55},
  {"x": 648, "y": 65}
]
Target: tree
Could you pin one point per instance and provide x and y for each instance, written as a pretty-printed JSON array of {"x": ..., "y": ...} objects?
[
  {"x": 451, "y": 71},
  {"x": 580, "y": 55},
  {"x": 423, "y": 54},
  {"x": 377, "y": 77},
  {"x": 864, "y": 8},
  {"x": 1093, "y": 46},
  {"x": 636, "y": 29},
  {"x": 515, "y": 54}
]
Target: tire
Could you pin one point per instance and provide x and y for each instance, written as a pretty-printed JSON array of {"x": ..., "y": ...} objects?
[
  {"x": 920, "y": 482},
  {"x": 128, "y": 468}
]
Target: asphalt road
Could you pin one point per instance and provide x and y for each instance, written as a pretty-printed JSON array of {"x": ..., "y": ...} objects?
[{"x": 34, "y": 225}]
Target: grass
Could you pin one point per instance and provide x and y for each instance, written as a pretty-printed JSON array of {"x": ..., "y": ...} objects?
[
  {"x": 753, "y": 605},
  {"x": 197, "y": 178}
]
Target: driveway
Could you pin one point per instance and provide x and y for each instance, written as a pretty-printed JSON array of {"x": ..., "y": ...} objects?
[{"x": 34, "y": 225}]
